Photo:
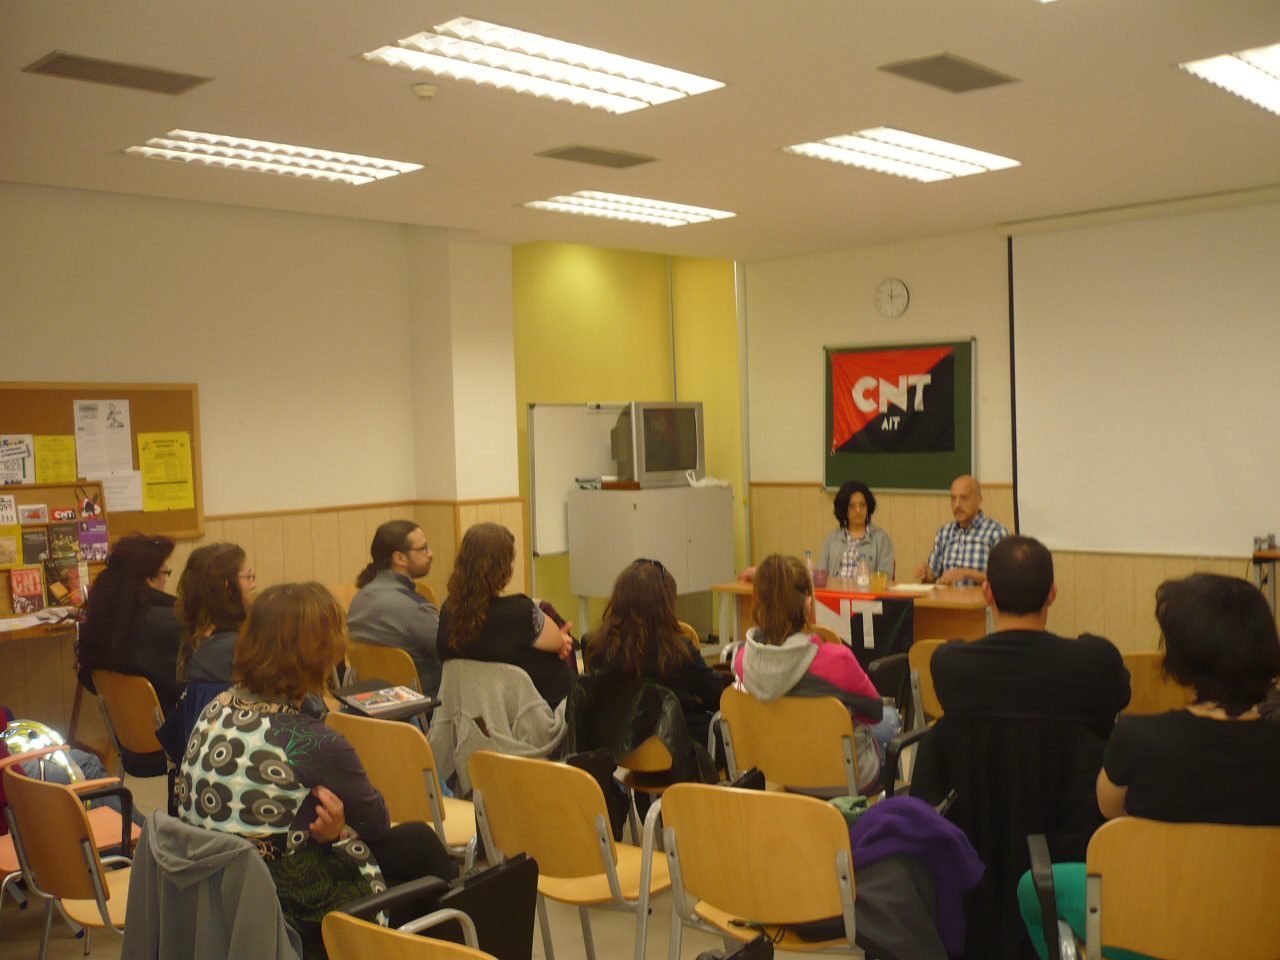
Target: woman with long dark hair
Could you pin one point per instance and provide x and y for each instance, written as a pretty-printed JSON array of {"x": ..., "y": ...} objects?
[
  {"x": 213, "y": 600},
  {"x": 478, "y": 623},
  {"x": 130, "y": 625},
  {"x": 639, "y": 636}
]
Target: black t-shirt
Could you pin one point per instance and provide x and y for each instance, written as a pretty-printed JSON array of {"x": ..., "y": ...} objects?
[
  {"x": 510, "y": 630},
  {"x": 1033, "y": 673},
  {"x": 1181, "y": 768}
]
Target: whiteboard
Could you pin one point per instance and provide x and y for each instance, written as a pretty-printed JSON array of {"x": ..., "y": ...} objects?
[
  {"x": 566, "y": 441},
  {"x": 1146, "y": 386}
]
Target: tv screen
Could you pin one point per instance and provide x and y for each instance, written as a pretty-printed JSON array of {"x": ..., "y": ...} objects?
[{"x": 670, "y": 439}]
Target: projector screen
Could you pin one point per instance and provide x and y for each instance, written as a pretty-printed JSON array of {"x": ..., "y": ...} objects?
[{"x": 1147, "y": 383}]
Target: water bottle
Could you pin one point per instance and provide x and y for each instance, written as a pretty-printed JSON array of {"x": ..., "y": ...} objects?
[
  {"x": 862, "y": 574},
  {"x": 808, "y": 563}
]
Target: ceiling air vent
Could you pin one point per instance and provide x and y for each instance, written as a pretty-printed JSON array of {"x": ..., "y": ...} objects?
[
  {"x": 73, "y": 67},
  {"x": 948, "y": 72},
  {"x": 597, "y": 156}
]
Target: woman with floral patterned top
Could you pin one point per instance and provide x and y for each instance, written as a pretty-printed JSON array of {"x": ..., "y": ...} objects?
[{"x": 258, "y": 766}]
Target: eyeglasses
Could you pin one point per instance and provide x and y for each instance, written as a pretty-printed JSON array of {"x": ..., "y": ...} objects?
[{"x": 425, "y": 548}]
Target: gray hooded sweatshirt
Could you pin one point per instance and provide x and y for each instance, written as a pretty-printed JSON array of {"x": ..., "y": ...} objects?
[{"x": 197, "y": 894}]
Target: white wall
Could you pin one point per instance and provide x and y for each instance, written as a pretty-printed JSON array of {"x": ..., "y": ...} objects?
[
  {"x": 302, "y": 332},
  {"x": 798, "y": 305}
]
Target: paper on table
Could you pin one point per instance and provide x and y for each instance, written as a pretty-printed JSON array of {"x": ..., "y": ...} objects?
[
  {"x": 121, "y": 491},
  {"x": 18, "y": 623},
  {"x": 912, "y": 587},
  {"x": 56, "y": 459},
  {"x": 17, "y": 459},
  {"x": 103, "y": 436},
  {"x": 165, "y": 462}
]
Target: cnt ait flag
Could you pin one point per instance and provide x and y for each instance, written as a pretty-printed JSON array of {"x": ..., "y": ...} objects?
[{"x": 893, "y": 401}]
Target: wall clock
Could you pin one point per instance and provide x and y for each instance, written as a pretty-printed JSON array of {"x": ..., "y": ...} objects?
[{"x": 892, "y": 298}]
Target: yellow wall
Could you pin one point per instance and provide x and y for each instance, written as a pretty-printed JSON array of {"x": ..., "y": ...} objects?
[
  {"x": 590, "y": 325},
  {"x": 593, "y": 324}
]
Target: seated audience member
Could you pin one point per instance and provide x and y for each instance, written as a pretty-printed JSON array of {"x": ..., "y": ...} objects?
[
  {"x": 856, "y": 536},
  {"x": 639, "y": 637},
  {"x": 781, "y": 658},
  {"x": 259, "y": 767},
  {"x": 1215, "y": 761},
  {"x": 960, "y": 550},
  {"x": 1022, "y": 669},
  {"x": 129, "y": 625},
  {"x": 478, "y": 623},
  {"x": 388, "y": 610}
]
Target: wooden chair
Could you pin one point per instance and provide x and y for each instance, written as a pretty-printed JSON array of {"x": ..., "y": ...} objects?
[
  {"x": 58, "y": 855},
  {"x": 1153, "y": 692},
  {"x": 392, "y": 752},
  {"x": 343, "y": 593},
  {"x": 825, "y": 634},
  {"x": 771, "y": 858},
  {"x": 923, "y": 696},
  {"x": 689, "y": 631},
  {"x": 1183, "y": 891},
  {"x": 556, "y": 814},
  {"x": 130, "y": 711},
  {"x": 803, "y": 743},
  {"x": 108, "y": 826},
  {"x": 638, "y": 769},
  {"x": 386, "y": 663},
  {"x": 348, "y": 938},
  {"x": 425, "y": 590}
]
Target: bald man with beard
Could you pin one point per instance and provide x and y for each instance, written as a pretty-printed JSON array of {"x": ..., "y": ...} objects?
[{"x": 961, "y": 548}]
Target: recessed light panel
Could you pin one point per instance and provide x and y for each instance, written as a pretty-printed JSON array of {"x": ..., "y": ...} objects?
[
  {"x": 903, "y": 154},
  {"x": 1253, "y": 75},
  {"x": 616, "y": 206},
  {"x": 495, "y": 56},
  {"x": 263, "y": 156}
]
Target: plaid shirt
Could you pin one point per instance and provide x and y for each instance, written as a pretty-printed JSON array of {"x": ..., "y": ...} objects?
[{"x": 955, "y": 547}]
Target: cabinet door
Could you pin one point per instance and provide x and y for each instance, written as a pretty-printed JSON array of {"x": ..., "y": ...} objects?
[
  {"x": 709, "y": 520},
  {"x": 660, "y": 532},
  {"x": 601, "y": 539}
]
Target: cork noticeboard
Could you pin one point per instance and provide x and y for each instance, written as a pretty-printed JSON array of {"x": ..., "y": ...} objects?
[{"x": 47, "y": 408}]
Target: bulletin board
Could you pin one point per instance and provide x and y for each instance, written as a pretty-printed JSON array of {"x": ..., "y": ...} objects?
[{"x": 48, "y": 409}]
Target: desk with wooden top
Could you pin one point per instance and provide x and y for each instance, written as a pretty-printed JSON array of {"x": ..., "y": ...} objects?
[{"x": 942, "y": 613}]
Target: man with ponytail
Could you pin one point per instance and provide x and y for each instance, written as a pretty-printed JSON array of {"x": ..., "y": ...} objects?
[{"x": 388, "y": 610}]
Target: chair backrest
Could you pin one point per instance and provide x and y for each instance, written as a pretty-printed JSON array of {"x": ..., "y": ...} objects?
[
  {"x": 397, "y": 759},
  {"x": 768, "y": 857},
  {"x": 386, "y": 663},
  {"x": 795, "y": 741},
  {"x": 690, "y": 632},
  {"x": 825, "y": 634},
  {"x": 1152, "y": 692},
  {"x": 652, "y": 756},
  {"x": 347, "y": 938},
  {"x": 547, "y": 810},
  {"x": 52, "y": 831},
  {"x": 892, "y": 678},
  {"x": 1187, "y": 890},
  {"x": 920, "y": 655},
  {"x": 132, "y": 708},
  {"x": 424, "y": 589},
  {"x": 343, "y": 593}
]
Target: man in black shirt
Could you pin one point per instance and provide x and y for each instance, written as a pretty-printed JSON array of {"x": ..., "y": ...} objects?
[{"x": 1021, "y": 669}]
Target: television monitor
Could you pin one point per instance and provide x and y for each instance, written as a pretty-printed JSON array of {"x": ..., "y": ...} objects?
[{"x": 655, "y": 444}]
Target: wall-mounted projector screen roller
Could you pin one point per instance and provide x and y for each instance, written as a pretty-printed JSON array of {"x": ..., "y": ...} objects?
[{"x": 1147, "y": 383}]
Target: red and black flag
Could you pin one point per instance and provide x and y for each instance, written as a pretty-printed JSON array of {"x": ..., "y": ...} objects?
[{"x": 893, "y": 401}]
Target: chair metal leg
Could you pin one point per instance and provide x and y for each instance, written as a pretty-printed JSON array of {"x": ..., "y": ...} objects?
[
  {"x": 633, "y": 818},
  {"x": 88, "y": 942},
  {"x": 677, "y": 935},
  {"x": 48, "y": 927},
  {"x": 548, "y": 951},
  {"x": 469, "y": 858},
  {"x": 584, "y": 917}
]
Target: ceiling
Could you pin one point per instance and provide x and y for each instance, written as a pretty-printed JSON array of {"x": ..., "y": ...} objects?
[{"x": 1100, "y": 117}]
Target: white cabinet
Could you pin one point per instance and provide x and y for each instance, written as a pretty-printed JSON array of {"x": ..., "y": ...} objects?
[{"x": 688, "y": 529}]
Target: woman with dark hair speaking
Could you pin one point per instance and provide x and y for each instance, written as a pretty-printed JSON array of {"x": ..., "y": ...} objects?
[
  {"x": 856, "y": 536},
  {"x": 1216, "y": 761},
  {"x": 478, "y": 623},
  {"x": 130, "y": 626},
  {"x": 388, "y": 610}
]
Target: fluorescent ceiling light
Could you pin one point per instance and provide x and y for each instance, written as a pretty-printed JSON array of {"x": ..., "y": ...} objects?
[
  {"x": 616, "y": 206},
  {"x": 903, "y": 154},
  {"x": 1251, "y": 74},
  {"x": 263, "y": 156},
  {"x": 494, "y": 56}
]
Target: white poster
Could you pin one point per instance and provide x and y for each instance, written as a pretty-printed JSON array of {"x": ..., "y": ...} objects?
[
  {"x": 17, "y": 458},
  {"x": 103, "y": 437},
  {"x": 121, "y": 491}
]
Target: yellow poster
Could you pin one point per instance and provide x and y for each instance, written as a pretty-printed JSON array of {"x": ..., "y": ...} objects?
[
  {"x": 56, "y": 459},
  {"x": 164, "y": 460}
]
